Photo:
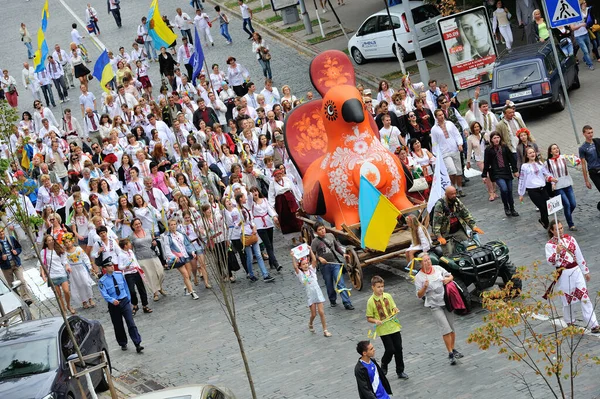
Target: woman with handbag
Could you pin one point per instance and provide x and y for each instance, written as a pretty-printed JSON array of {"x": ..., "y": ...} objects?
[
  {"x": 179, "y": 253},
  {"x": 8, "y": 84},
  {"x": 92, "y": 18},
  {"x": 430, "y": 283},
  {"x": 144, "y": 246},
  {"x": 557, "y": 166},
  {"x": 263, "y": 55}
]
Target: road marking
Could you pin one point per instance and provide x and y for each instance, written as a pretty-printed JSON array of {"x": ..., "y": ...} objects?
[{"x": 95, "y": 40}]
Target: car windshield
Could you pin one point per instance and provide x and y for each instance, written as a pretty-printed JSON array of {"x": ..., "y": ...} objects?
[
  {"x": 518, "y": 74},
  {"x": 424, "y": 12},
  {"x": 26, "y": 358}
]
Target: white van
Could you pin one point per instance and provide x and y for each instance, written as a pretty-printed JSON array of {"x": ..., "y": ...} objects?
[{"x": 374, "y": 38}]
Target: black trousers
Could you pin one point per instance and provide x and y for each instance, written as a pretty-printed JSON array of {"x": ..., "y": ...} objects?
[
  {"x": 117, "y": 314},
  {"x": 595, "y": 178},
  {"x": 266, "y": 235},
  {"x": 190, "y": 70},
  {"x": 539, "y": 196},
  {"x": 393, "y": 347},
  {"x": 239, "y": 248},
  {"x": 117, "y": 15},
  {"x": 135, "y": 280}
]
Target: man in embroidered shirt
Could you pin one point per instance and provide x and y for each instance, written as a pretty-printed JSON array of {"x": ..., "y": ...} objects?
[
  {"x": 589, "y": 152},
  {"x": 381, "y": 310},
  {"x": 371, "y": 381}
]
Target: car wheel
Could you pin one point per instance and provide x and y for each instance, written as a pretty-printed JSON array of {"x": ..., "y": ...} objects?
[
  {"x": 576, "y": 84},
  {"x": 103, "y": 384},
  {"x": 560, "y": 101},
  {"x": 464, "y": 293},
  {"x": 357, "y": 56},
  {"x": 403, "y": 53}
]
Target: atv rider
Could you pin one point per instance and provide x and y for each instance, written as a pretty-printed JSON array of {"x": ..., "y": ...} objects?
[{"x": 450, "y": 220}]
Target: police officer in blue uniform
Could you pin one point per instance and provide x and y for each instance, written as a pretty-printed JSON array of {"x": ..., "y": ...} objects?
[{"x": 115, "y": 291}]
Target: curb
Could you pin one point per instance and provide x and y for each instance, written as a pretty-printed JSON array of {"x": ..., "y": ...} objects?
[{"x": 361, "y": 76}]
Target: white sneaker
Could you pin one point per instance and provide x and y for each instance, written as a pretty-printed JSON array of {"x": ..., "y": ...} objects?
[
  {"x": 186, "y": 292},
  {"x": 194, "y": 295}
]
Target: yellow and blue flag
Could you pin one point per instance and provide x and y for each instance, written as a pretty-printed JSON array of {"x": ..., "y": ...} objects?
[
  {"x": 377, "y": 216},
  {"x": 42, "y": 50},
  {"x": 103, "y": 70},
  {"x": 157, "y": 29}
]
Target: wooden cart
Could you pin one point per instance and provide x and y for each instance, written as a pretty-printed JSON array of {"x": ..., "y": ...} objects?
[{"x": 359, "y": 257}]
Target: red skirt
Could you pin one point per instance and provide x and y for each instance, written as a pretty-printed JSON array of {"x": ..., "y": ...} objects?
[
  {"x": 286, "y": 207},
  {"x": 12, "y": 98},
  {"x": 145, "y": 81}
]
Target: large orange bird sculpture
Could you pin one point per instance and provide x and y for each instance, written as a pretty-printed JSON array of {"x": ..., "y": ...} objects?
[{"x": 333, "y": 141}]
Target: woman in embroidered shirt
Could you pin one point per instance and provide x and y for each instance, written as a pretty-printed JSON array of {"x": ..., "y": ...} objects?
[
  {"x": 58, "y": 199},
  {"x": 284, "y": 197},
  {"x": 124, "y": 217},
  {"x": 148, "y": 214},
  {"x": 133, "y": 275},
  {"x": 108, "y": 198},
  {"x": 135, "y": 185},
  {"x": 120, "y": 126},
  {"x": 385, "y": 92},
  {"x": 144, "y": 246},
  {"x": 525, "y": 140},
  {"x": 499, "y": 167},
  {"x": 562, "y": 251},
  {"x": 532, "y": 178},
  {"x": 182, "y": 185},
  {"x": 55, "y": 266},
  {"x": 80, "y": 225},
  {"x": 142, "y": 76},
  {"x": 56, "y": 229},
  {"x": 557, "y": 166},
  {"x": 476, "y": 150},
  {"x": 306, "y": 271},
  {"x": 265, "y": 218},
  {"x": 80, "y": 280},
  {"x": 189, "y": 228},
  {"x": 179, "y": 252}
]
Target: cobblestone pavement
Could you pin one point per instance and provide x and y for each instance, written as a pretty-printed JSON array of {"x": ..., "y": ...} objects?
[{"x": 191, "y": 342}]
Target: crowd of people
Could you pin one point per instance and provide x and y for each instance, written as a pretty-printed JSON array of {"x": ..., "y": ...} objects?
[{"x": 138, "y": 183}]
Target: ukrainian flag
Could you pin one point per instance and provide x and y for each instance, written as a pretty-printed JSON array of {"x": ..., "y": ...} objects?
[
  {"x": 103, "y": 71},
  {"x": 377, "y": 216},
  {"x": 42, "y": 51},
  {"x": 157, "y": 29}
]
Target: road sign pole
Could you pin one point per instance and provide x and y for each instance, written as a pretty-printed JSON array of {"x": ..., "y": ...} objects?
[
  {"x": 421, "y": 62},
  {"x": 560, "y": 74}
]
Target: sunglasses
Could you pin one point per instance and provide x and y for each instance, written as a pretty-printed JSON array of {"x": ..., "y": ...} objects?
[
  {"x": 368, "y": 102},
  {"x": 443, "y": 102}
]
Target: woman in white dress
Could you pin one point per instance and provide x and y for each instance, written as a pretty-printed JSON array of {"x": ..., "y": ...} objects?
[
  {"x": 80, "y": 280},
  {"x": 563, "y": 252},
  {"x": 109, "y": 199},
  {"x": 124, "y": 217}
]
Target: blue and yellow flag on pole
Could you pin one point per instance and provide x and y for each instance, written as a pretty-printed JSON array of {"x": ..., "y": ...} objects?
[
  {"x": 377, "y": 217},
  {"x": 42, "y": 50},
  {"x": 103, "y": 70},
  {"x": 157, "y": 29}
]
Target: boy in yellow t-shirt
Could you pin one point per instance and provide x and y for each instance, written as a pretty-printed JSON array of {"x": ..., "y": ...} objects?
[{"x": 381, "y": 310}]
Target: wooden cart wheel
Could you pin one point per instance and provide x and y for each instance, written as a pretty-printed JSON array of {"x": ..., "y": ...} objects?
[
  {"x": 354, "y": 269},
  {"x": 307, "y": 234}
]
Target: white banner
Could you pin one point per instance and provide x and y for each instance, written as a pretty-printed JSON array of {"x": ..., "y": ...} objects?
[{"x": 441, "y": 180}]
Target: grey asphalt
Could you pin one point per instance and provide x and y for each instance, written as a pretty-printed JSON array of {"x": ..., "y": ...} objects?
[{"x": 191, "y": 342}]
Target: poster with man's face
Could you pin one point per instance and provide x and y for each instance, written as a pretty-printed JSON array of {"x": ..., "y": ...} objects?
[{"x": 469, "y": 47}]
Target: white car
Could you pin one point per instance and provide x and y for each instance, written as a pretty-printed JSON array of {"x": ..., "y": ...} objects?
[
  {"x": 200, "y": 391},
  {"x": 374, "y": 38}
]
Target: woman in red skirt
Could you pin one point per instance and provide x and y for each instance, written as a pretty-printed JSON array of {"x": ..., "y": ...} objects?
[
  {"x": 285, "y": 197},
  {"x": 142, "y": 77}
]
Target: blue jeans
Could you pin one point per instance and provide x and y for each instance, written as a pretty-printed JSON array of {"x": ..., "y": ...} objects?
[
  {"x": 188, "y": 33},
  {"x": 266, "y": 67},
  {"x": 247, "y": 26},
  {"x": 150, "y": 47},
  {"x": 225, "y": 32},
  {"x": 505, "y": 186},
  {"x": 330, "y": 273},
  {"x": 568, "y": 199},
  {"x": 256, "y": 249},
  {"x": 30, "y": 51},
  {"x": 585, "y": 45}
]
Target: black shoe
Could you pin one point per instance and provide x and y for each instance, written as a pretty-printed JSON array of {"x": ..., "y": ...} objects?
[
  {"x": 28, "y": 302},
  {"x": 465, "y": 179},
  {"x": 513, "y": 212},
  {"x": 250, "y": 37},
  {"x": 268, "y": 279},
  {"x": 452, "y": 359},
  {"x": 139, "y": 348},
  {"x": 384, "y": 369},
  {"x": 252, "y": 279},
  {"x": 349, "y": 307},
  {"x": 457, "y": 354},
  {"x": 403, "y": 375},
  {"x": 278, "y": 268},
  {"x": 124, "y": 347},
  {"x": 333, "y": 304},
  {"x": 507, "y": 212}
]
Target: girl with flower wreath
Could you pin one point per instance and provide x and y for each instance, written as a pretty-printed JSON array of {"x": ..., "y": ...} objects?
[{"x": 80, "y": 280}]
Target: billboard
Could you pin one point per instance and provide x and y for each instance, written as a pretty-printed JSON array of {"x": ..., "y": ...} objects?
[
  {"x": 277, "y": 5},
  {"x": 469, "y": 47}
]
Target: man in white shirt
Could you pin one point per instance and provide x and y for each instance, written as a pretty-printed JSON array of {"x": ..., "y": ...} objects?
[
  {"x": 84, "y": 183},
  {"x": 201, "y": 21},
  {"x": 486, "y": 119},
  {"x": 142, "y": 31},
  {"x": 180, "y": 133},
  {"x": 115, "y": 9},
  {"x": 247, "y": 17},
  {"x": 91, "y": 122},
  {"x": 271, "y": 93},
  {"x": 182, "y": 22},
  {"x": 154, "y": 196},
  {"x": 432, "y": 95},
  {"x": 219, "y": 107},
  {"x": 63, "y": 58},
  {"x": 46, "y": 85},
  {"x": 40, "y": 112},
  {"x": 251, "y": 95},
  {"x": 445, "y": 134},
  {"x": 164, "y": 133},
  {"x": 123, "y": 56},
  {"x": 270, "y": 125},
  {"x": 390, "y": 135},
  {"x": 75, "y": 36},
  {"x": 187, "y": 88},
  {"x": 57, "y": 74},
  {"x": 40, "y": 147},
  {"x": 125, "y": 98},
  {"x": 87, "y": 99},
  {"x": 30, "y": 81},
  {"x": 184, "y": 54},
  {"x": 188, "y": 107},
  {"x": 46, "y": 129},
  {"x": 139, "y": 54},
  {"x": 72, "y": 128}
]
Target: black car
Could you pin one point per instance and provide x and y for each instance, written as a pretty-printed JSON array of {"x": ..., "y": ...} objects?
[
  {"x": 528, "y": 77},
  {"x": 33, "y": 358}
]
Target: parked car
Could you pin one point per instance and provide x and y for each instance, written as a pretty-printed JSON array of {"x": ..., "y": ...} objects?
[
  {"x": 528, "y": 77},
  {"x": 374, "y": 39},
  {"x": 33, "y": 358},
  {"x": 200, "y": 391},
  {"x": 11, "y": 301}
]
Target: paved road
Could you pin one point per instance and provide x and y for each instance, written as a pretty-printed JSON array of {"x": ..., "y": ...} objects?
[{"x": 191, "y": 342}]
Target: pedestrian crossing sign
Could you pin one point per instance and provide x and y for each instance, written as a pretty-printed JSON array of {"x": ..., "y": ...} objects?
[{"x": 563, "y": 12}]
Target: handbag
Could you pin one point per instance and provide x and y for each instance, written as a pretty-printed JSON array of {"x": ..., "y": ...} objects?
[
  {"x": 12, "y": 88},
  {"x": 139, "y": 40},
  {"x": 265, "y": 55},
  {"x": 248, "y": 240},
  {"x": 595, "y": 28},
  {"x": 419, "y": 184}
]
